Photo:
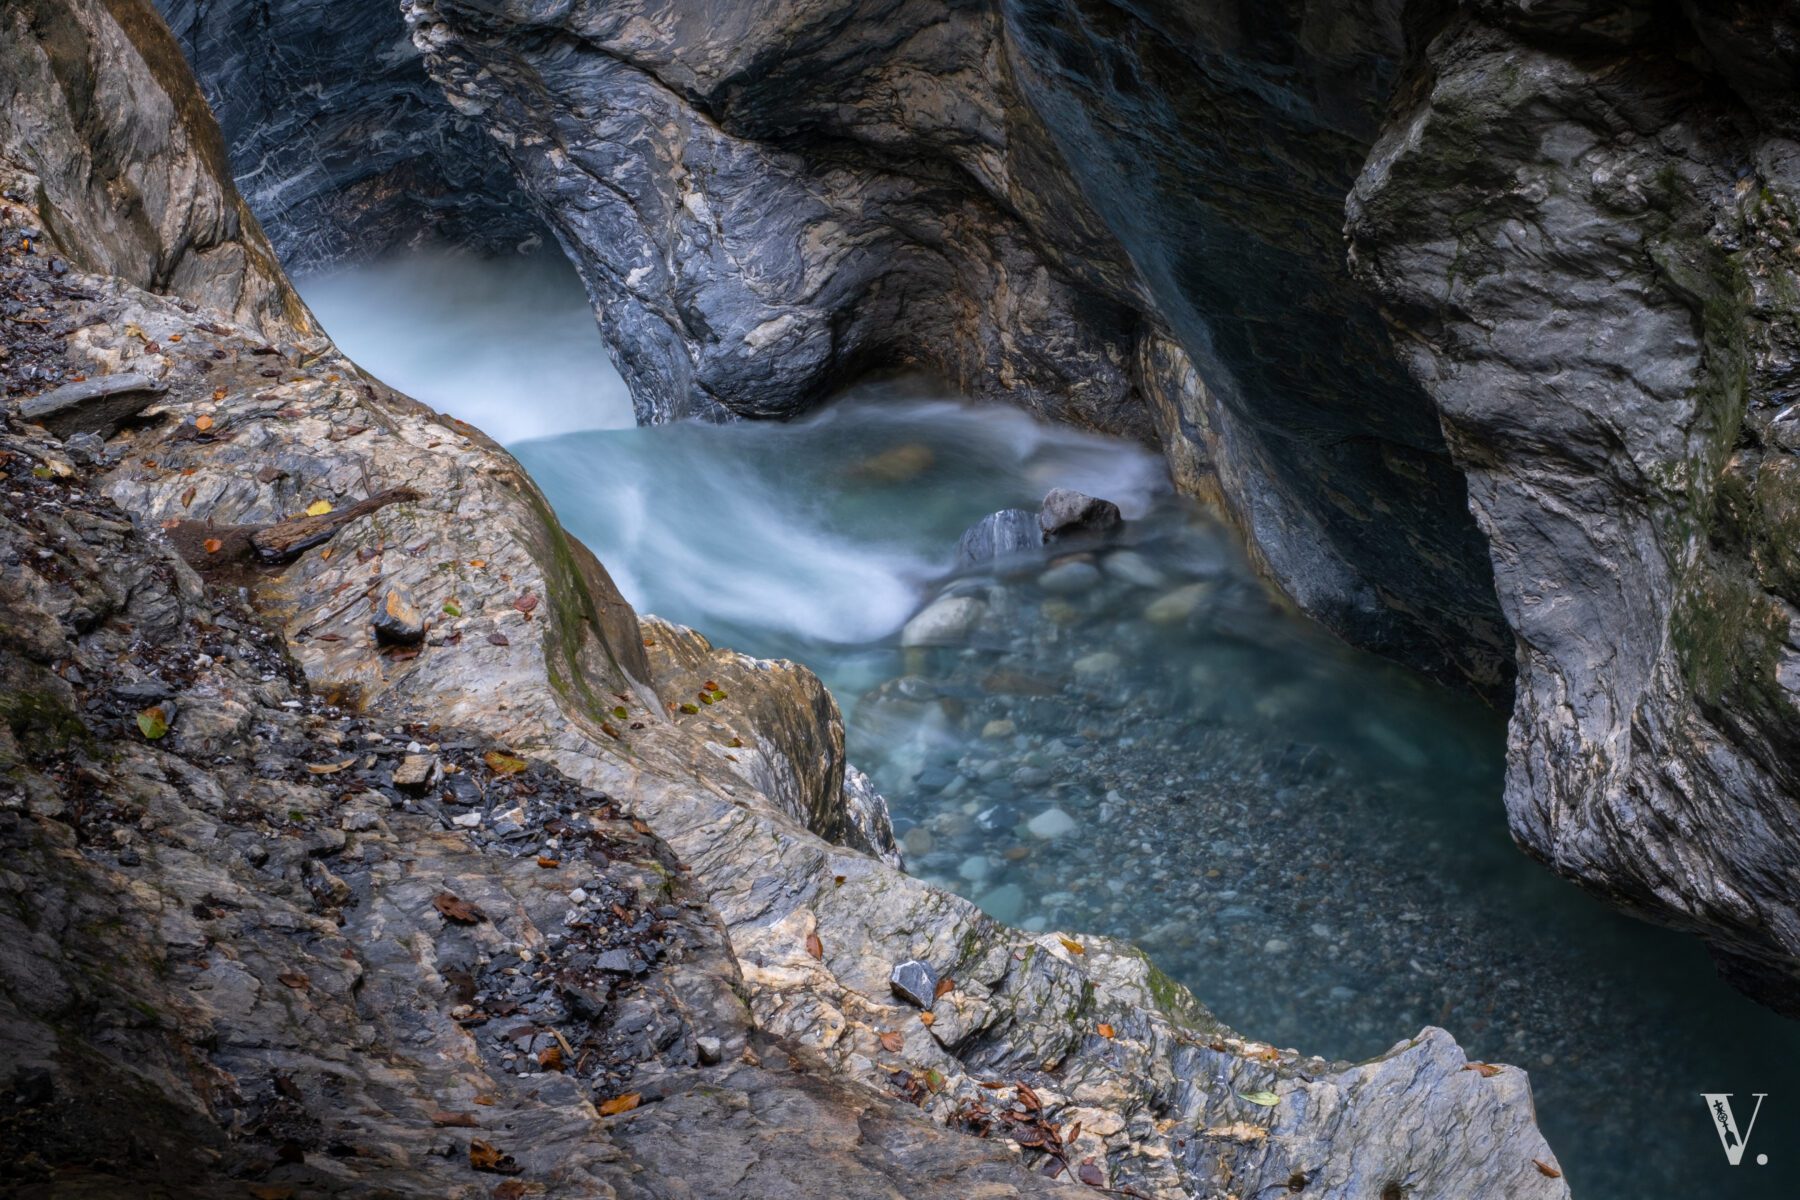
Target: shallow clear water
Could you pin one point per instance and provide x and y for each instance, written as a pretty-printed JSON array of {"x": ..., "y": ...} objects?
[{"x": 1309, "y": 838}]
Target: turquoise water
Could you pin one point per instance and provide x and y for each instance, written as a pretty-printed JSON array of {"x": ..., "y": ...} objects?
[{"x": 1138, "y": 742}]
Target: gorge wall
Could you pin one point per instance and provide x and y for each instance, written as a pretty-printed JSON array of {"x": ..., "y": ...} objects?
[
  {"x": 1566, "y": 305},
  {"x": 290, "y": 908}
]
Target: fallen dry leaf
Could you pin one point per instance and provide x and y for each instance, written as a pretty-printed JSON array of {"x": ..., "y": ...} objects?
[
  {"x": 318, "y": 508},
  {"x": 484, "y": 1156},
  {"x": 814, "y": 946},
  {"x": 551, "y": 1058},
  {"x": 218, "y": 393},
  {"x": 1073, "y": 947},
  {"x": 498, "y": 639},
  {"x": 458, "y": 1120},
  {"x": 329, "y": 768},
  {"x": 927, "y": 1020},
  {"x": 213, "y": 545},
  {"x": 502, "y": 763},
  {"x": 203, "y": 422},
  {"x": 526, "y": 602},
  {"x": 453, "y": 909},
  {"x": 1090, "y": 1174},
  {"x": 892, "y": 1042},
  {"x": 620, "y": 1104},
  {"x": 187, "y": 498},
  {"x": 1546, "y": 1169},
  {"x": 1104, "y": 1030},
  {"x": 294, "y": 979},
  {"x": 549, "y": 863},
  {"x": 945, "y": 986},
  {"x": 1488, "y": 1070}
]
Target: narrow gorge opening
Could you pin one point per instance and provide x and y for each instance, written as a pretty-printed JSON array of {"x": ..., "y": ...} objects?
[{"x": 1132, "y": 738}]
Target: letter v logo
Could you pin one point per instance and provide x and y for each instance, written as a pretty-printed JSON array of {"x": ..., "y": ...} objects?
[{"x": 1719, "y": 1106}]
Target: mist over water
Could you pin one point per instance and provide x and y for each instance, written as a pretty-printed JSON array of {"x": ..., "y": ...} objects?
[
  {"x": 822, "y": 530},
  {"x": 508, "y": 345},
  {"x": 1313, "y": 840}
]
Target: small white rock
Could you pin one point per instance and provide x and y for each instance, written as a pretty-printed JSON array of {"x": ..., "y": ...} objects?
[{"x": 1051, "y": 823}]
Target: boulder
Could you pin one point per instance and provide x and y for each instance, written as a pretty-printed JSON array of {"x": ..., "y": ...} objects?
[
  {"x": 1070, "y": 514},
  {"x": 999, "y": 535}
]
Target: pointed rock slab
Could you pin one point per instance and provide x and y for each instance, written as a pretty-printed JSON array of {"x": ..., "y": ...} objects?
[
  {"x": 93, "y": 405},
  {"x": 915, "y": 982},
  {"x": 397, "y": 619},
  {"x": 999, "y": 535},
  {"x": 1068, "y": 513}
]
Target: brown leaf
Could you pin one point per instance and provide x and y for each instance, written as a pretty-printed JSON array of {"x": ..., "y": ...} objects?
[
  {"x": 498, "y": 639},
  {"x": 187, "y": 498},
  {"x": 620, "y": 1104},
  {"x": 892, "y": 1042},
  {"x": 485, "y": 1156},
  {"x": 212, "y": 545},
  {"x": 294, "y": 979},
  {"x": 203, "y": 422},
  {"x": 459, "y": 1120},
  {"x": 1028, "y": 1097},
  {"x": 945, "y": 986},
  {"x": 502, "y": 763},
  {"x": 927, "y": 1020},
  {"x": 1072, "y": 947},
  {"x": 551, "y": 1058},
  {"x": 1089, "y": 1174},
  {"x": 1546, "y": 1169},
  {"x": 814, "y": 946},
  {"x": 218, "y": 393},
  {"x": 549, "y": 863},
  {"x": 1104, "y": 1030},
  {"x": 526, "y": 602},
  {"x": 506, "y": 1189},
  {"x": 1073, "y": 1133},
  {"x": 453, "y": 909},
  {"x": 1488, "y": 1070}
]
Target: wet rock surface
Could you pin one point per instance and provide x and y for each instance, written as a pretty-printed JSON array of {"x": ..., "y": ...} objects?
[
  {"x": 1601, "y": 304},
  {"x": 306, "y": 1003},
  {"x": 343, "y": 147}
]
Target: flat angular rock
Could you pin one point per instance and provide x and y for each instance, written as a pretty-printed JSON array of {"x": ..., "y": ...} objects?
[
  {"x": 93, "y": 405},
  {"x": 418, "y": 772},
  {"x": 397, "y": 619},
  {"x": 915, "y": 982},
  {"x": 1068, "y": 513}
]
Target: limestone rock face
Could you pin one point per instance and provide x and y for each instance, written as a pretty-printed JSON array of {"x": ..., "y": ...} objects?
[
  {"x": 109, "y": 140},
  {"x": 1582, "y": 222},
  {"x": 344, "y": 148}
]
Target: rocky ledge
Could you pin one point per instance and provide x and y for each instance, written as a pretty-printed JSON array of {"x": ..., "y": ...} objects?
[{"x": 535, "y": 895}]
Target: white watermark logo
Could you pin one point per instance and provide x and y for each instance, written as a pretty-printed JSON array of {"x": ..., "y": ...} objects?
[{"x": 1718, "y": 1105}]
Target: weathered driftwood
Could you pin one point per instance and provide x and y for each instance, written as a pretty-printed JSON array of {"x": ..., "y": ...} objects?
[
  {"x": 92, "y": 405},
  {"x": 208, "y": 546}
]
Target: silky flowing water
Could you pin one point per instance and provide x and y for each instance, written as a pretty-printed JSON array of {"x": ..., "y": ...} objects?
[{"x": 1133, "y": 740}]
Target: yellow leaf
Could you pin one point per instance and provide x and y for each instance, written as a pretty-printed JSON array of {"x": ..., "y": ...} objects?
[
  {"x": 1105, "y": 1030},
  {"x": 1071, "y": 946},
  {"x": 203, "y": 422},
  {"x": 318, "y": 508},
  {"x": 502, "y": 763},
  {"x": 619, "y": 1104}
]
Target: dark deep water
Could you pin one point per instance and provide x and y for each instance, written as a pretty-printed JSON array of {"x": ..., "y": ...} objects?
[{"x": 1138, "y": 744}]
